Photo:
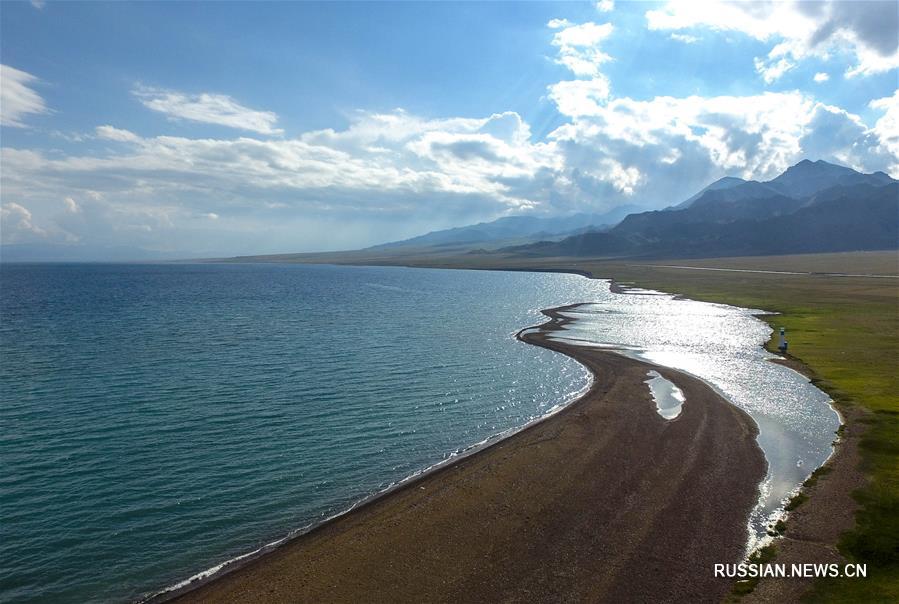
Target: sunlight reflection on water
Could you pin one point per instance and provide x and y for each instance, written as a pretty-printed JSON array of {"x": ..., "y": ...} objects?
[
  {"x": 722, "y": 345},
  {"x": 668, "y": 398}
]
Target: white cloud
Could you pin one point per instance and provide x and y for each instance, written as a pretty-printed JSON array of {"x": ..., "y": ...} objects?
[
  {"x": 685, "y": 38},
  {"x": 716, "y": 15},
  {"x": 383, "y": 164},
  {"x": 17, "y": 224},
  {"x": 576, "y": 98},
  {"x": 207, "y": 108},
  {"x": 71, "y": 205},
  {"x": 663, "y": 149},
  {"x": 72, "y": 137},
  {"x": 112, "y": 133},
  {"x": 756, "y": 136},
  {"x": 38, "y": 4},
  {"x": 17, "y": 99},
  {"x": 887, "y": 129},
  {"x": 388, "y": 172},
  {"x": 772, "y": 70},
  {"x": 579, "y": 46},
  {"x": 834, "y": 134},
  {"x": 624, "y": 179},
  {"x": 579, "y": 51},
  {"x": 558, "y": 23},
  {"x": 821, "y": 77},
  {"x": 605, "y": 6},
  {"x": 866, "y": 32}
]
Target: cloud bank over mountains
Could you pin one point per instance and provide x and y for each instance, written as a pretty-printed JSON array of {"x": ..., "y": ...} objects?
[{"x": 265, "y": 189}]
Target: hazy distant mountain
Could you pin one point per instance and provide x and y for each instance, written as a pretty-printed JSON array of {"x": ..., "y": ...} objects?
[
  {"x": 808, "y": 177},
  {"x": 746, "y": 200},
  {"x": 800, "y": 181},
  {"x": 812, "y": 207},
  {"x": 722, "y": 183},
  {"x": 513, "y": 228}
]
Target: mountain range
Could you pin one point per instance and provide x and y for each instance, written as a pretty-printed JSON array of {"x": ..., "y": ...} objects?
[
  {"x": 511, "y": 229},
  {"x": 811, "y": 207}
]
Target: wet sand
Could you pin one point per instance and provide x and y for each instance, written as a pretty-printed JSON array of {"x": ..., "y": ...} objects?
[{"x": 605, "y": 501}]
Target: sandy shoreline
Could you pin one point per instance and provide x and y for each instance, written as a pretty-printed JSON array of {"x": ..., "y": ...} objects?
[{"x": 603, "y": 501}]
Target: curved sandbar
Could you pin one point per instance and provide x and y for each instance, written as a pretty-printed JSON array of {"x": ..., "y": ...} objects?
[{"x": 604, "y": 501}]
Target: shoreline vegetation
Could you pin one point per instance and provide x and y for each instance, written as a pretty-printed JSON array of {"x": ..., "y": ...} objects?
[
  {"x": 602, "y": 501},
  {"x": 842, "y": 326}
]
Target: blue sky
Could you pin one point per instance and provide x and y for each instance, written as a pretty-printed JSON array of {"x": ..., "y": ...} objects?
[{"x": 226, "y": 128}]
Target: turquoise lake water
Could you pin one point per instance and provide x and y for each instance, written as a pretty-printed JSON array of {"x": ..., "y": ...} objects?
[{"x": 159, "y": 420}]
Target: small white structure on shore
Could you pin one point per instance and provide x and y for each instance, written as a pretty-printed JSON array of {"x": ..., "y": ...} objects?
[{"x": 783, "y": 340}]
